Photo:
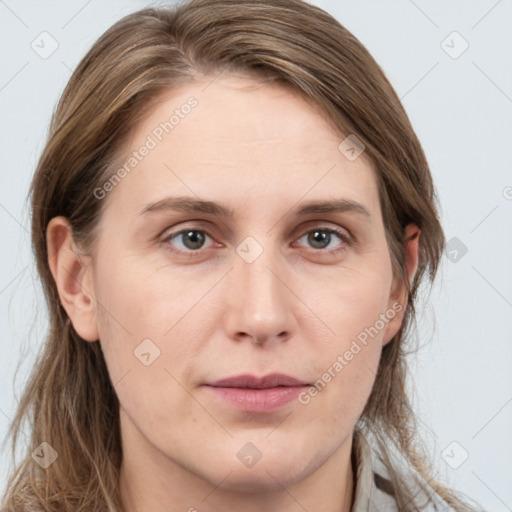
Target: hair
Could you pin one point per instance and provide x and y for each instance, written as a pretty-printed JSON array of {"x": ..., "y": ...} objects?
[{"x": 69, "y": 400}]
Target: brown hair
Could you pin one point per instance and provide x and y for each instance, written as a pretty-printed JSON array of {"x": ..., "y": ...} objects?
[{"x": 142, "y": 56}]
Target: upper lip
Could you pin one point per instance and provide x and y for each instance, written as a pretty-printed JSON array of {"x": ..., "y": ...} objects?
[{"x": 271, "y": 380}]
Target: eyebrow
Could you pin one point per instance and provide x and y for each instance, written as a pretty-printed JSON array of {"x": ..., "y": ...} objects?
[{"x": 193, "y": 205}]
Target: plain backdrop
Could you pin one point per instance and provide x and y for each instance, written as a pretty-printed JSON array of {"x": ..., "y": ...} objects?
[{"x": 451, "y": 64}]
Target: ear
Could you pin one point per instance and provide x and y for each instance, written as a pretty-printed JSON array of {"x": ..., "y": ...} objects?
[
  {"x": 399, "y": 296},
  {"x": 72, "y": 273}
]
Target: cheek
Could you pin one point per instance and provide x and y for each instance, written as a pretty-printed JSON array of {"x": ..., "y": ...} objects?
[
  {"x": 355, "y": 307},
  {"x": 148, "y": 325},
  {"x": 146, "y": 300},
  {"x": 354, "y": 299},
  {"x": 346, "y": 368},
  {"x": 147, "y": 360}
]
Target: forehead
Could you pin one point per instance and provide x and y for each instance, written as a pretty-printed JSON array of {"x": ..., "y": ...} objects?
[{"x": 232, "y": 138}]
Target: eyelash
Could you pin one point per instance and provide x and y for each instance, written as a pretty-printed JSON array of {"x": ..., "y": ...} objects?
[{"x": 345, "y": 239}]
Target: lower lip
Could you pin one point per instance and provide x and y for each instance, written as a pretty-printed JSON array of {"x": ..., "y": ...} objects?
[{"x": 258, "y": 400}]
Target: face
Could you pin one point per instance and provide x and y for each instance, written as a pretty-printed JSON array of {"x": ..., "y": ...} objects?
[{"x": 244, "y": 276}]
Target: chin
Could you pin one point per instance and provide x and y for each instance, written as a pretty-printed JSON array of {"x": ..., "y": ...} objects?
[
  {"x": 267, "y": 478},
  {"x": 268, "y": 471}
]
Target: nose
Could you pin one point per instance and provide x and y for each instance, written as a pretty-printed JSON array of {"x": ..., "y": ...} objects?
[{"x": 261, "y": 304}]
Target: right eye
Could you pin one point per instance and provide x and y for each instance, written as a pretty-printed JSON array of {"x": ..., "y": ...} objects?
[{"x": 192, "y": 239}]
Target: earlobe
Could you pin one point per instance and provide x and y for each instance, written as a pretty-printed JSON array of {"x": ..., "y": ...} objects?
[
  {"x": 398, "y": 300},
  {"x": 72, "y": 275}
]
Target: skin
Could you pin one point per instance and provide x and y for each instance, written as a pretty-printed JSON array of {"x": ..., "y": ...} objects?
[{"x": 261, "y": 151}]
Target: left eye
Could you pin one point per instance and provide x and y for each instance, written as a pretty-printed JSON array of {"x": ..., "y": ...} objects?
[{"x": 321, "y": 238}]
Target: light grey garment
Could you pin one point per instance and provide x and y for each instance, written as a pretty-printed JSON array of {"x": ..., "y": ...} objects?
[{"x": 373, "y": 488}]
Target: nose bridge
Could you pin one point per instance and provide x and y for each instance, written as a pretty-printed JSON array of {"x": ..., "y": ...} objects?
[{"x": 260, "y": 305}]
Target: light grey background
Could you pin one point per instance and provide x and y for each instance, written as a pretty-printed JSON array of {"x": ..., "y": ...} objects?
[{"x": 461, "y": 109}]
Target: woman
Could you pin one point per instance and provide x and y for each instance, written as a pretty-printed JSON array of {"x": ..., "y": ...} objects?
[{"x": 231, "y": 219}]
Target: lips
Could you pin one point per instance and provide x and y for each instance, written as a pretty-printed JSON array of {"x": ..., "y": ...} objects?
[
  {"x": 272, "y": 380},
  {"x": 249, "y": 393}
]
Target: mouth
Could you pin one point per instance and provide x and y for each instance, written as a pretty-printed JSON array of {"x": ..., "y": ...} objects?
[{"x": 250, "y": 393}]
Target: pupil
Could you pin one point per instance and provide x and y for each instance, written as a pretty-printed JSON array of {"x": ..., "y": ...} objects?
[
  {"x": 320, "y": 237},
  {"x": 197, "y": 239}
]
